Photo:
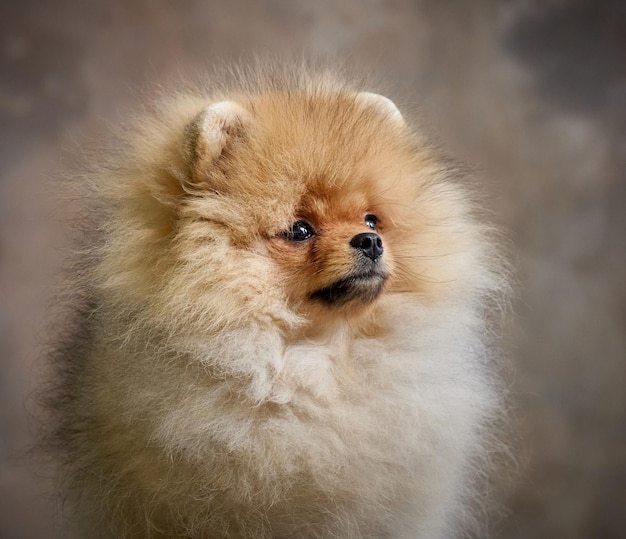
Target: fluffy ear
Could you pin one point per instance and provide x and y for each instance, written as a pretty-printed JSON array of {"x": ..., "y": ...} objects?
[
  {"x": 381, "y": 103},
  {"x": 211, "y": 134}
]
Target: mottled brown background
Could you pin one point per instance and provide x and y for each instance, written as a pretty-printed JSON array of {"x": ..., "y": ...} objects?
[{"x": 531, "y": 92}]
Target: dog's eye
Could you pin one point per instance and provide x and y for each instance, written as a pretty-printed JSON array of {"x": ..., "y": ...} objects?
[
  {"x": 371, "y": 221},
  {"x": 299, "y": 231}
]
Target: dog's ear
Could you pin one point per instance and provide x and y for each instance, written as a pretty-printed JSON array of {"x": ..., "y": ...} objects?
[
  {"x": 212, "y": 135},
  {"x": 382, "y": 104}
]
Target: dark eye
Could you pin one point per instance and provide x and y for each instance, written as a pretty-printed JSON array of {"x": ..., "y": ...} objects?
[
  {"x": 300, "y": 231},
  {"x": 371, "y": 221}
]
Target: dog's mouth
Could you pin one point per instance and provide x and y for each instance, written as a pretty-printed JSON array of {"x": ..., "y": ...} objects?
[{"x": 364, "y": 287}]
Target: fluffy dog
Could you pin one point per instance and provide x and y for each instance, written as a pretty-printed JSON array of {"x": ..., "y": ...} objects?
[{"x": 280, "y": 324}]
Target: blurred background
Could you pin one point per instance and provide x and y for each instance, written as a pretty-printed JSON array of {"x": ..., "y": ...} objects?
[{"x": 532, "y": 93}]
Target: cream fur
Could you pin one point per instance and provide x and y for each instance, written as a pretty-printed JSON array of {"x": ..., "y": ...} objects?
[{"x": 205, "y": 394}]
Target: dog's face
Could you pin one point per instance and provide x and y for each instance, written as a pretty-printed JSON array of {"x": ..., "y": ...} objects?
[
  {"x": 310, "y": 179},
  {"x": 334, "y": 254},
  {"x": 327, "y": 200}
]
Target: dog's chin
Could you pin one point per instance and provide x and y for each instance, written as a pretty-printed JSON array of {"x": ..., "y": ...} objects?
[{"x": 355, "y": 288}]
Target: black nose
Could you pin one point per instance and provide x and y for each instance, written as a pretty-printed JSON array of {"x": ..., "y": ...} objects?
[{"x": 370, "y": 244}]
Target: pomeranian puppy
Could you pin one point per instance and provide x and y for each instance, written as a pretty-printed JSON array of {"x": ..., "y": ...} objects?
[{"x": 280, "y": 324}]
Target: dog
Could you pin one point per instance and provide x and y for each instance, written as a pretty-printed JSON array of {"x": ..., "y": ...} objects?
[{"x": 280, "y": 324}]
